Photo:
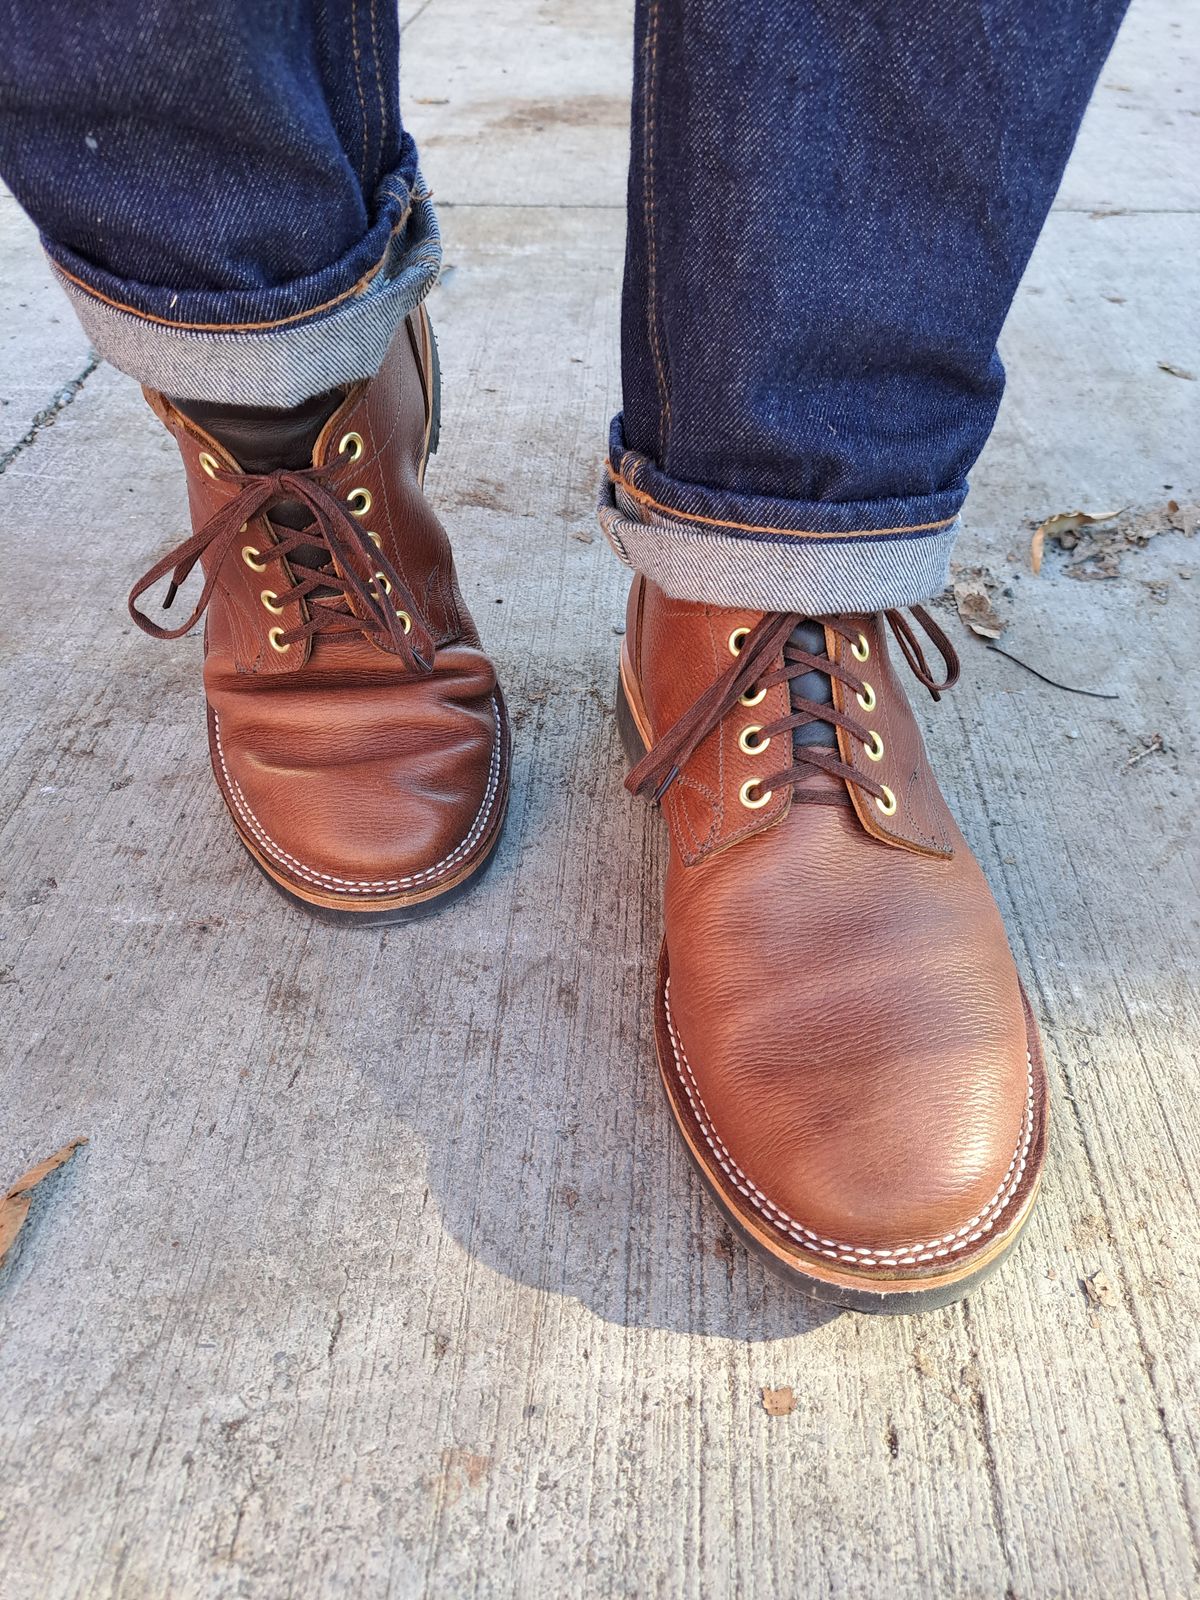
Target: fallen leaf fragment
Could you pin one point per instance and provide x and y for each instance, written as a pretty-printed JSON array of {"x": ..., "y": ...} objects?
[
  {"x": 14, "y": 1207},
  {"x": 1037, "y": 549},
  {"x": 1062, "y": 527},
  {"x": 1099, "y": 1290},
  {"x": 974, "y": 604},
  {"x": 1099, "y": 564},
  {"x": 1184, "y": 518},
  {"x": 1177, "y": 372},
  {"x": 778, "y": 1402}
]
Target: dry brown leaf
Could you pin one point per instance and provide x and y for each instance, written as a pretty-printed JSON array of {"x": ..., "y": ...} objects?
[
  {"x": 1037, "y": 549},
  {"x": 14, "y": 1207},
  {"x": 1177, "y": 372},
  {"x": 778, "y": 1402},
  {"x": 1184, "y": 518},
  {"x": 1099, "y": 1290},
  {"x": 1099, "y": 564},
  {"x": 975, "y": 607},
  {"x": 1063, "y": 524},
  {"x": 13, "y": 1211}
]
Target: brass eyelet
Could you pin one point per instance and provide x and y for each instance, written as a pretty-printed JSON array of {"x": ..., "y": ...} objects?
[
  {"x": 209, "y": 464},
  {"x": 250, "y": 557},
  {"x": 384, "y": 582},
  {"x": 755, "y": 699},
  {"x": 862, "y": 649},
  {"x": 376, "y": 540},
  {"x": 351, "y": 445},
  {"x": 873, "y": 749},
  {"x": 271, "y": 600},
  {"x": 744, "y": 795},
  {"x": 276, "y": 638},
  {"x": 744, "y": 740},
  {"x": 359, "y": 501},
  {"x": 737, "y": 639},
  {"x": 867, "y": 698},
  {"x": 405, "y": 621},
  {"x": 886, "y": 802}
]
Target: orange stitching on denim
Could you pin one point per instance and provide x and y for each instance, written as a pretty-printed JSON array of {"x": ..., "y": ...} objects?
[
  {"x": 750, "y": 527},
  {"x": 234, "y": 327},
  {"x": 649, "y": 90}
]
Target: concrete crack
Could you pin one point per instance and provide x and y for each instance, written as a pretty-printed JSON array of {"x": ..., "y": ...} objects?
[{"x": 47, "y": 416}]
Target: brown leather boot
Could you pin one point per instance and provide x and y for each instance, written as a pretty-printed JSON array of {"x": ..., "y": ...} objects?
[
  {"x": 842, "y": 1034},
  {"x": 357, "y": 731}
]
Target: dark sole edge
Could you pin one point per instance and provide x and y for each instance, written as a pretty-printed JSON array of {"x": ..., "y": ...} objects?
[{"x": 873, "y": 1302}]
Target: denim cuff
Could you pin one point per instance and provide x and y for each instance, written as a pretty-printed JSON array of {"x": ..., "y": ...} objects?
[
  {"x": 817, "y": 558},
  {"x": 276, "y": 360}
]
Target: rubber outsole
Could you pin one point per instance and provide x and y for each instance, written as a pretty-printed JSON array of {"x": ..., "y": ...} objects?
[{"x": 893, "y": 1297}]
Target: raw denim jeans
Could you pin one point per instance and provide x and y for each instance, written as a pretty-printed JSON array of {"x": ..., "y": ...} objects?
[{"x": 830, "y": 207}]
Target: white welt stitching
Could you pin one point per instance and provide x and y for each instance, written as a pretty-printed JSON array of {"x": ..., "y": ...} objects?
[
  {"x": 860, "y": 1255},
  {"x": 325, "y": 880}
]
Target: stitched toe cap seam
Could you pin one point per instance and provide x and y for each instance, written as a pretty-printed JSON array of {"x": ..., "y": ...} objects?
[
  {"x": 931, "y": 1250},
  {"x": 365, "y": 887}
]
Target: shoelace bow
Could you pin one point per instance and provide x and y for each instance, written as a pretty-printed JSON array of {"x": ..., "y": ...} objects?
[
  {"x": 355, "y": 567},
  {"x": 752, "y": 669}
]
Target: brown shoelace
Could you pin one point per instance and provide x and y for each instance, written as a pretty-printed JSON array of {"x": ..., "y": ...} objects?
[
  {"x": 753, "y": 670},
  {"x": 351, "y": 586}
]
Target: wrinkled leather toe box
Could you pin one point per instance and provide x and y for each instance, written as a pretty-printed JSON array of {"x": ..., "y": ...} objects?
[
  {"x": 355, "y": 789},
  {"x": 863, "y": 1084}
]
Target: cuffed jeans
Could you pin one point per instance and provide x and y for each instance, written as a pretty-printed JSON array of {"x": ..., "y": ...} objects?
[{"x": 830, "y": 207}]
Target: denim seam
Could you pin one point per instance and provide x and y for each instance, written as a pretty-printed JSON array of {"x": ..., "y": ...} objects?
[
  {"x": 653, "y": 317},
  {"x": 383, "y": 110},
  {"x": 356, "y": 55},
  {"x": 242, "y": 327},
  {"x": 630, "y": 486}
]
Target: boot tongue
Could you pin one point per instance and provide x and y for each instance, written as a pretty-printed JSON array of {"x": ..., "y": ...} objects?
[
  {"x": 814, "y": 686},
  {"x": 263, "y": 440}
]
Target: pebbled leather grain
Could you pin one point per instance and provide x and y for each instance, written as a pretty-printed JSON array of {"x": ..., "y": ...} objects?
[
  {"x": 359, "y": 783},
  {"x": 841, "y": 1021}
]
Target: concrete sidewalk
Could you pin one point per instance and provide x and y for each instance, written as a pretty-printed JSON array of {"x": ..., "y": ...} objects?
[{"x": 383, "y": 1273}]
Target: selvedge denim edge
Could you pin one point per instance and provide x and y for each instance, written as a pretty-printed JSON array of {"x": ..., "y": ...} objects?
[
  {"x": 274, "y": 364},
  {"x": 813, "y": 573}
]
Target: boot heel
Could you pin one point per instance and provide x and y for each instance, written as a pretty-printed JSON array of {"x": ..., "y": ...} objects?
[{"x": 631, "y": 739}]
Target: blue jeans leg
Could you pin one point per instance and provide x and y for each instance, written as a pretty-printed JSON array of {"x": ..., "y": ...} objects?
[
  {"x": 830, "y": 207},
  {"x": 223, "y": 188}
]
